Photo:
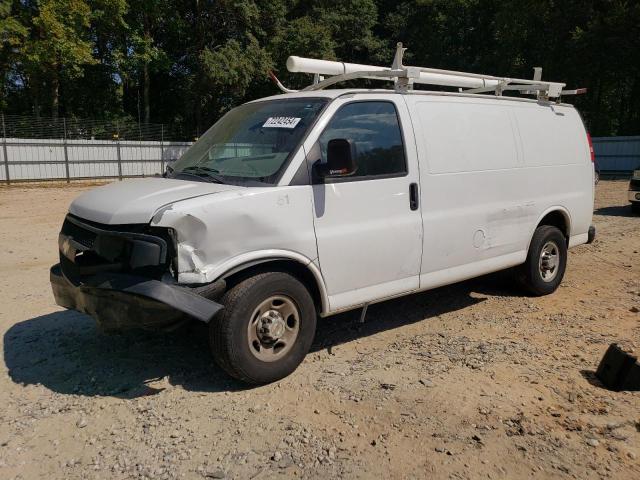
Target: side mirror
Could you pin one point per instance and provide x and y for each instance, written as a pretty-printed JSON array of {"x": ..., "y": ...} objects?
[{"x": 341, "y": 159}]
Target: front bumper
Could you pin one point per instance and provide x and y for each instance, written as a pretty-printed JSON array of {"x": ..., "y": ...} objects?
[
  {"x": 115, "y": 274},
  {"x": 120, "y": 301}
]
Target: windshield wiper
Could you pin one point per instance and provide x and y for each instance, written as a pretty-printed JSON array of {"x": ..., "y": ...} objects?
[{"x": 199, "y": 171}]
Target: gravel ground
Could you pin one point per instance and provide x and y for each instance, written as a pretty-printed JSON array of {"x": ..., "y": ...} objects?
[{"x": 472, "y": 380}]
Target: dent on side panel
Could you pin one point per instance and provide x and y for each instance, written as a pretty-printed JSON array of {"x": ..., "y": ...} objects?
[
  {"x": 213, "y": 230},
  {"x": 473, "y": 206}
]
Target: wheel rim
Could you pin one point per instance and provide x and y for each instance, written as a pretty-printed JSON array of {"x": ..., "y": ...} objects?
[
  {"x": 273, "y": 328},
  {"x": 549, "y": 261}
]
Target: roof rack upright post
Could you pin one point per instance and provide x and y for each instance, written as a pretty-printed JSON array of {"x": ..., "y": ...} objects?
[
  {"x": 406, "y": 75},
  {"x": 400, "y": 84},
  {"x": 397, "y": 58}
]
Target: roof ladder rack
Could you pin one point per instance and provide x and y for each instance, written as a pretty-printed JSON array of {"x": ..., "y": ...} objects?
[{"x": 327, "y": 73}]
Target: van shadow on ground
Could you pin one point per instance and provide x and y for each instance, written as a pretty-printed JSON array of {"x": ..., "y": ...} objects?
[
  {"x": 64, "y": 351},
  {"x": 616, "y": 211}
]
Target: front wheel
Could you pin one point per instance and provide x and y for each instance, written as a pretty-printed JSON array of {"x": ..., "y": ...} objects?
[
  {"x": 546, "y": 262},
  {"x": 265, "y": 329}
]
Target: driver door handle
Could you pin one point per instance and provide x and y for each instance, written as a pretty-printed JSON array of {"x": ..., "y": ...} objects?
[{"x": 413, "y": 196}]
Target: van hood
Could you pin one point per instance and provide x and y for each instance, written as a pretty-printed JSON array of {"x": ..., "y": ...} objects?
[{"x": 135, "y": 201}]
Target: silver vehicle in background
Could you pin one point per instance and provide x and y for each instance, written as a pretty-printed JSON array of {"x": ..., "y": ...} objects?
[{"x": 634, "y": 191}]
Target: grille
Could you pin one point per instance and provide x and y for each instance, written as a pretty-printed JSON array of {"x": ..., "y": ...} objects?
[
  {"x": 110, "y": 247},
  {"x": 634, "y": 184},
  {"x": 82, "y": 236}
]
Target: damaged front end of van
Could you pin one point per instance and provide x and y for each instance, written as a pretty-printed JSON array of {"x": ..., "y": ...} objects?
[{"x": 121, "y": 276}]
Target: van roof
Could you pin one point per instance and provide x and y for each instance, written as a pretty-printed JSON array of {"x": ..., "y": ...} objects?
[{"x": 339, "y": 92}]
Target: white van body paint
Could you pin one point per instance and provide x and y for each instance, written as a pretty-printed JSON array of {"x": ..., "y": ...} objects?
[
  {"x": 369, "y": 241},
  {"x": 233, "y": 226},
  {"x": 488, "y": 169},
  {"x": 136, "y": 200},
  {"x": 492, "y": 170}
]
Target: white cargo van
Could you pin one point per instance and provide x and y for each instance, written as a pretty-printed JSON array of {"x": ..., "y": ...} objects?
[{"x": 315, "y": 202}]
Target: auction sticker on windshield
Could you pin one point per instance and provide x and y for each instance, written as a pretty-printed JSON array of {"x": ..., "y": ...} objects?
[{"x": 281, "y": 122}]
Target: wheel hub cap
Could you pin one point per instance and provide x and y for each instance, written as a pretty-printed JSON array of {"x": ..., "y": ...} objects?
[
  {"x": 549, "y": 260},
  {"x": 271, "y": 326}
]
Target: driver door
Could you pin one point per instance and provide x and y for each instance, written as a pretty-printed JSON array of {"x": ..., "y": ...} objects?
[{"x": 368, "y": 225}]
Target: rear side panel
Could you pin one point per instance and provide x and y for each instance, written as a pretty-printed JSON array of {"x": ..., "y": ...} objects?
[
  {"x": 490, "y": 169},
  {"x": 559, "y": 172}
]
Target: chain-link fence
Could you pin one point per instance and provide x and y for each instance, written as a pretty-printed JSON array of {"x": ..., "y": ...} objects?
[{"x": 39, "y": 149}]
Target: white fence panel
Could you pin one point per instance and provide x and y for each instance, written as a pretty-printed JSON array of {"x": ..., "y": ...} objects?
[
  {"x": 3, "y": 164},
  {"x": 36, "y": 159}
]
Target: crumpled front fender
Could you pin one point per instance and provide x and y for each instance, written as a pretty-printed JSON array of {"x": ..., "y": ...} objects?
[{"x": 212, "y": 231}]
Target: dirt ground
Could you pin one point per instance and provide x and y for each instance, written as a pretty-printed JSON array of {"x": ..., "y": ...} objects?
[{"x": 472, "y": 380}]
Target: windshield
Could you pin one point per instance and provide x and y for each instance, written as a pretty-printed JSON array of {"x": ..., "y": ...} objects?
[{"x": 251, "y": 143}]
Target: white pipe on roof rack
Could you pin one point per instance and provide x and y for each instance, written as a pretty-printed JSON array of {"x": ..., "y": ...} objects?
[
  {"x": 404, "y": 76},
  {"x": 327, "y": 67}
]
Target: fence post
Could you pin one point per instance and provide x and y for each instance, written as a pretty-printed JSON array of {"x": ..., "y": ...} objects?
[
  {"x": 4, "y": 151},
  {"x": 66, "y": 153},
  {"x": 118, "y": 151},
  {"x": 162, "y": 149}
]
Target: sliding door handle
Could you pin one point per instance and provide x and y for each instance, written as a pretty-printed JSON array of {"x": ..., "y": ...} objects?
[{"x": 413, "y": 196}]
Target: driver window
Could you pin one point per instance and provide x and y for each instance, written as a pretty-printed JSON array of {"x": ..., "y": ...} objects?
[{"x": 374, "y": 129}]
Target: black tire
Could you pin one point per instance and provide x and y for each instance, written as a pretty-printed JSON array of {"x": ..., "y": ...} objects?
[
  {"x": 635, "y": 207},
  {"x": 529, "y": 274},
  {"x": 228, "y": 331}
]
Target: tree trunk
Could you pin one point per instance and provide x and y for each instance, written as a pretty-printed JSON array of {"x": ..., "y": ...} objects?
[
  {"x": 125, "y": 76},
  {"x": 198, "y": 115},
  {"x": 145, "y": 92},
  {"x": 55, "y": 93},
  {"x": 146, "y": 81},
  {"x": 596, "y": 124},
  {"x": 631, "y": 123},
  {"x": 35, "y": 94},
  {"x": 622, "y": 94},
  {"x": 125, "y": 91},
  {"x": 197, "y": 94}
]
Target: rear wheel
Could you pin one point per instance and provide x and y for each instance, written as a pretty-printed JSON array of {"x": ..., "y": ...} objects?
[
  {"x": 546, "y": 262},
  {"x": 265, "y": 329}
]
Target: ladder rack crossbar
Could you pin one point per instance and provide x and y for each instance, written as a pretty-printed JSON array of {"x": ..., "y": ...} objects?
[
  {"x": 405, "y": 76},
  {"x": 372, "y": 75},
  {"x": 536, "y": 83},
  {"x": 535, "y": 87}
]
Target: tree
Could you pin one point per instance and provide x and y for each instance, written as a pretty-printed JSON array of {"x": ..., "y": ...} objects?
[
  {"x": 12, "y": 34},
  {"x": 186, "y": 62},
  {"x": 58, "y": 45},
  {"x": 141, "y": 54}
]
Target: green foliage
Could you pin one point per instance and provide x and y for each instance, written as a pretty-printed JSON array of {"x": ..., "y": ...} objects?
[
  {"x": 12, "y": 35},
  {"x": 233, "y": 67},
  {"x": 60, "y": 37},
  {"x": 351, "y": 24},
  {"x": 186, "y": 62},
  {"x": 12, "y": 32}
]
